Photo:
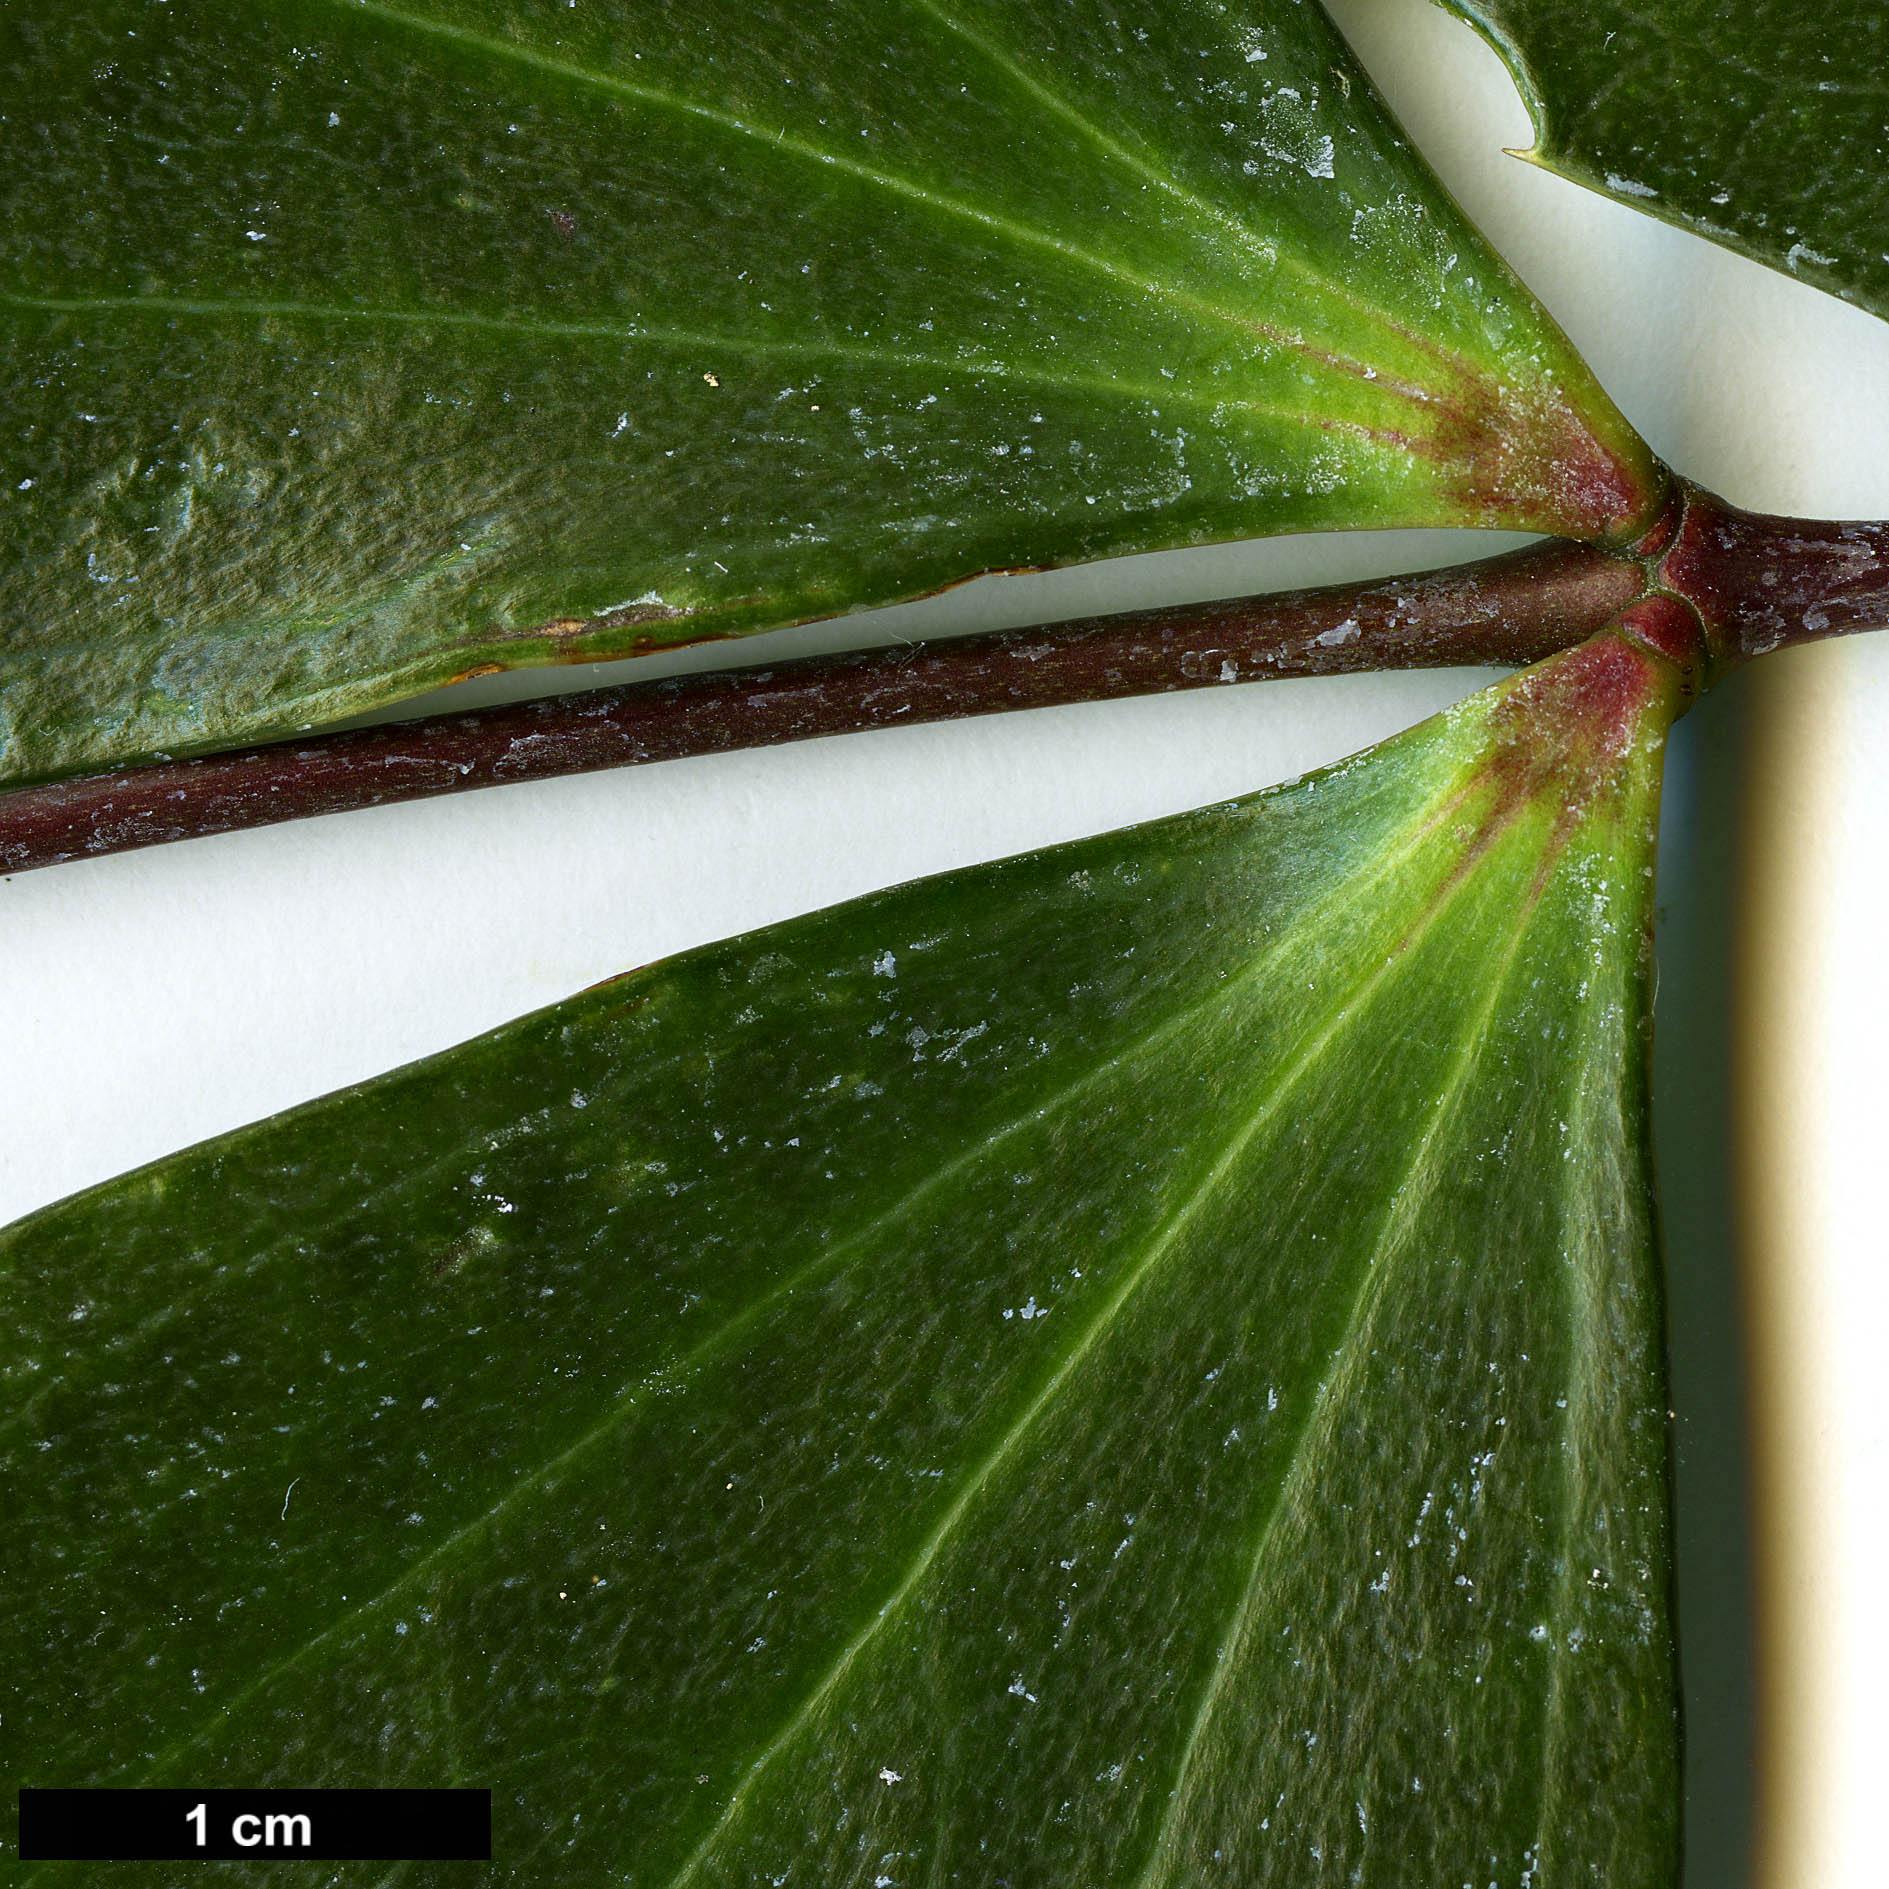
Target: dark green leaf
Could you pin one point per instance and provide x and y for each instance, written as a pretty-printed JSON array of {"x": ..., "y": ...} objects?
[
  {"x": 1763, "y": 124},
  {"x": 348, "y": 346},
  {"x": 1138, "y": 1365}
]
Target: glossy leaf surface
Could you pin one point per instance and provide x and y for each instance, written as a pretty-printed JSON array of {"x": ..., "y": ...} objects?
[
  {"x": 1140, "y": 1364},
  {"x": 1763, "y": 124},
  {"x": 349, "y": 345}
]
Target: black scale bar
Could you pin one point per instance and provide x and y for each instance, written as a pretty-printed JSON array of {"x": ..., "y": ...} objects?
[{"x": 324, "y": 1826}]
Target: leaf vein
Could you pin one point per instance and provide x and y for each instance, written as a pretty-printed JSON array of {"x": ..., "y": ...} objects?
[
  {"x": 1579, "y": 1390},
  {"x": 1270, "y": 248},
  {"x": 705, "y": 342},
  {"x": 1360, "y": 1319}
]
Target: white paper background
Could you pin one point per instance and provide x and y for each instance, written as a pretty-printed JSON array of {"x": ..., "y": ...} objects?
[{"x": 151, "y": 1000}]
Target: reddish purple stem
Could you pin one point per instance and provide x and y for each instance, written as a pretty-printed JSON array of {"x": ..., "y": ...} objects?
[
  {"x": 1511, "y": 609},
  {"x": 1750, "y": 583},
  {"x": 1762, "y": 582}
]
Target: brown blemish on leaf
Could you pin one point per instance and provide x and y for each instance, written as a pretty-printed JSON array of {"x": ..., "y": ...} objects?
[
  {"x": 564, "y": 223},
  {"x": 616, "y": 977},
  {"x": 632, "y": 614},
  {"x": 470, "y": 1244},
  {"x": 567, "y": 637}
]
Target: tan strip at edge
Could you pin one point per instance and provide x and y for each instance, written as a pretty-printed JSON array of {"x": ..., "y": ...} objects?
[{"x": 1785, "y": 820}]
